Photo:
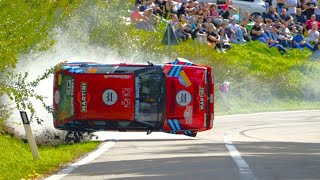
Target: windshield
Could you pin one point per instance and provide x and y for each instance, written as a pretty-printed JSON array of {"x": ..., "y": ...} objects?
[{"x": 149, "y": 105}]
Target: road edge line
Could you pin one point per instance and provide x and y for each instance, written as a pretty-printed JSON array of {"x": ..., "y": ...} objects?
[{"x": 90, "y": 157}]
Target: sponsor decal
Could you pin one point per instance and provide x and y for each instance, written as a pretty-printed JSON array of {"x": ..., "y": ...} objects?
[
  {"x": 69, "y": 86},
  {"x": 125, "y": 102},
  {"x": 137, "y": 96},
  {"x": 109, "y": 97},
  {"x": 57, "y": 97},
  {"x": 92, "y": 70},
  {"x": 126, "y": 94},
  {"x": 83, "y": 100},
  {"x": 175, "y": 126},
  {"x": 178, "y": 72},
  {"x": 201, "y": 103},
  {"x": 117, "y": 76},
  {"x": 188, "y": 114},
  {"x": 72, "y": 97},
  {"x": 175, "y": 71},
  {"x": 63, "y": 115},
  {"x": 205, "y": 120},
  {"x": 59, "y": 79},
  {"x": 183, "y": 98},
  {"x": 183, "y": 79}
]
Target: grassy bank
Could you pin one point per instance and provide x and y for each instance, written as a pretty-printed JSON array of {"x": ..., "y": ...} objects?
[{"x": 16, "y": 161}]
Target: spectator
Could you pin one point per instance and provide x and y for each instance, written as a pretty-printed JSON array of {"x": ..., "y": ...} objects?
[
  {"x": 214, "y": 14},
  {"x": 244, "y": 24},
  {"x": 136, "y": 16},
  {"x": 299, "y": 42},
  {"x": 168, "y": 8},
  {"x": 300, "y": 18},
  {"x": 143, "y": 21},
  {"x": 268, "y": 3},
  {"x": 285, "y": 17},
  {"x": 272, "y": 14},
  {"x": 182, "y": 20},
  {"x": 309, "y": 6},
  {"x": 213, "y": 38},
  {"x": 224, "y": 40},
  {"x": 313, "y": 34},
  {"x": 227, "y": 13},
  {"x": 182, "y": 9},
  {"x": 310, "y": 21},
  {"x": 276, "y": 44},
  {"x": 214, "y": 11},
  {"x": 257, "y": 33},
  {"x": 143, "y": 6},
  {"x": 317, "y": 11},
  {"x": 199, "y": 34},
  {"x": 237, "y": 33},
  {"x": 162, "y": 6},
  {"x": 285, "y": 37},
  {"x": 280, "y": 6},
  {"x": 182, "y": 33},
  {"x": 174, "y": 21},
  {"x": 292, "y": 6},
  {"x": 270, "y": 30}
]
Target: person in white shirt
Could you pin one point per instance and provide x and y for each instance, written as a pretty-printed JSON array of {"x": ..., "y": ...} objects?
[
  {"x": 313, "y": 34},
  {"x": 292, "y": 6},
  {"x": 237, "y": 33}
]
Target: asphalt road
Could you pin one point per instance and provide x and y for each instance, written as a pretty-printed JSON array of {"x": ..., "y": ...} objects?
[{"x": 266, "y": 146}]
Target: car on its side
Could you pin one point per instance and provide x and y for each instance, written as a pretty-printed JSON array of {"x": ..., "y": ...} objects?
[{"x": 174, "y": 97}]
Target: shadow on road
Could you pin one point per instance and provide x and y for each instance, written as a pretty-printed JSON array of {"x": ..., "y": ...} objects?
[{"x": 204, "y": 160}]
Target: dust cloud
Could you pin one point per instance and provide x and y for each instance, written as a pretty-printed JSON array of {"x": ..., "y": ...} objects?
[{"x": 71, "y": 44}]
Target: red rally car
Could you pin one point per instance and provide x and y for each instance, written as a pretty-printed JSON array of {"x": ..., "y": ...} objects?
[{"x": 175, "y": 97}]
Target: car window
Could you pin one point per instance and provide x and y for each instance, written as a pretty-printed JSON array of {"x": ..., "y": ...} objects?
[{"x": 151, "y": 95}]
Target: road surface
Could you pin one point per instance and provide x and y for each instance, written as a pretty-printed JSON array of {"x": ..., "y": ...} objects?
[{"x": 266, "y": 146}]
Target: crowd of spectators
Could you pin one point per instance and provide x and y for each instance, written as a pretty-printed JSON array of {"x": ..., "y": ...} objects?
[{"x": 285, "y": 25}]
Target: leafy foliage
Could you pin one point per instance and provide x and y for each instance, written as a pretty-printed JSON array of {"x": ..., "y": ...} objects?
[{"x": 24, "y": 27}]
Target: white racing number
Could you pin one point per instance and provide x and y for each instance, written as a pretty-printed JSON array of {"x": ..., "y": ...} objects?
[
  {"x": 109, "y": 97},
  {"x": 183, "y": 98}
]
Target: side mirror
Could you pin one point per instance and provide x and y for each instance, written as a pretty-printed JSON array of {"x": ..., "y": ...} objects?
[{"x": 150, "y": 63}]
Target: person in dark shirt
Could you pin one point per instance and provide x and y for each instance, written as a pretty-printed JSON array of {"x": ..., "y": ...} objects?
[
  {"x": 199, "y": 34},
  {"x": 226, "y": 14},
  {"x": 160, "y": 4},
  {"x": 257, "y": 33},
  {"x": 300, "y": 18},
  {"x": 285, "y": 17},
  {"x": 213, "y": 38},
  {"x": 310, "y": 6},
  {"x": 182, "y": 9}
]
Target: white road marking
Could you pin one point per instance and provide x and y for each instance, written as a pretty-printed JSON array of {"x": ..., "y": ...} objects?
[
  {"x": 64, "y": 172},
  {"x": 244, "y": 169}
]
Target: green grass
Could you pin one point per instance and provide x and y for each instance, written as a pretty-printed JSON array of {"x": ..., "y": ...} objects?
[{"x": 16, "y": 161}]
